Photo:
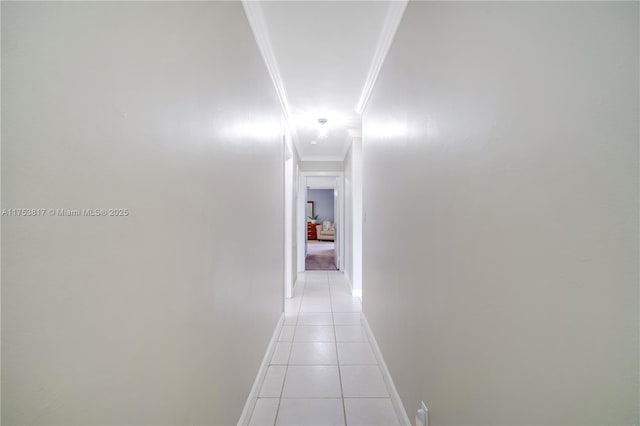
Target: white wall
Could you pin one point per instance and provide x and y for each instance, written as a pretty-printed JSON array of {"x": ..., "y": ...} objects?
[
  {"x": 348, "y": 214},
  {"x": 163, "y": 316},
  {"x": 501, "y": 193},
  {"x": 292, "y": 171},
  {"x": 324, "y": 204},
  {"x": 354, "y": 215},
  {"x": 322, "y": 166},
  {"x": 358, "y": 213},
  {"x": 296, "y": 228}
]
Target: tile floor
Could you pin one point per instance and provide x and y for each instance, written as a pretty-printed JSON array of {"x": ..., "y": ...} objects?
[{"x": 323, "y": 370}]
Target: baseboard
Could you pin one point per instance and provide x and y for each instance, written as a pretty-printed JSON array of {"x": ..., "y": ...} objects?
[
  {"x": 354, "y": 293},
  {"x": 395, "y": 397},
  {"x": 257, "y": 384},
  {"x": 348, "y": 281},
  {"x": 295, "y": 283}
]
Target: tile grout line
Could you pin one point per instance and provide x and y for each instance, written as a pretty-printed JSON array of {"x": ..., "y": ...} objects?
[
  {"x": 344, "y": 409},
  {"x": 286, "y": 368},
  {"x": 331, "y": 397},
  {"x": 308, "y": 294}
]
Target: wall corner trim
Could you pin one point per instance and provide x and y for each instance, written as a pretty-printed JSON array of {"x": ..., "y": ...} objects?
[
  {"x": 255, "y": 16},
  {"x": 386, "y": 375},
  {"x": 354, "y": 293},
  {"x": 245, "y": 417},
  {"x": 391, "y": 24},
  {"x": 321, "y": 158},
  {"x": 351, "y": 134},
  {"x": 253, "y": 11}
]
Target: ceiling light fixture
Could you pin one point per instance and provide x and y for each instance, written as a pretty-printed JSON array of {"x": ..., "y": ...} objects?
[
  {"x": 313, "y": 142},
  {"x": 323, "y": 132}
]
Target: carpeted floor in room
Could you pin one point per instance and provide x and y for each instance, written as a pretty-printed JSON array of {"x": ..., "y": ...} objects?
[{"x": 320, "y": 256}]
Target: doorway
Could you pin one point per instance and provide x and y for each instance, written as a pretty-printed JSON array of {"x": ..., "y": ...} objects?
[
  {"x": 321, "y": 225},
  {"x": 321, "y": 221}
]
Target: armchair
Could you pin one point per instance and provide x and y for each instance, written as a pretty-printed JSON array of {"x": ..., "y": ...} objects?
[{"x": 326, "y": 231}]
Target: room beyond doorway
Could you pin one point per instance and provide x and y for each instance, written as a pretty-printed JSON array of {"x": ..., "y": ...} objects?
[
  {"x": 321, "y": 212},
  {"x": 321, "y": 224},
  {"x": 320, "y": 256}
]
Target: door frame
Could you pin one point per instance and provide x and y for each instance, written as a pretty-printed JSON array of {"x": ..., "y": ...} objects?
[
  {"x": 302, "y": 220},
  {"x": 290, "y": 171}
]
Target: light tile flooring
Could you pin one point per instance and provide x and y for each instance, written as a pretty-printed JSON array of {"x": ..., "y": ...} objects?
[{"x": 323, "y": 370}]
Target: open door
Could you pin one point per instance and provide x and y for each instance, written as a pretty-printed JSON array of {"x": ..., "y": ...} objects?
[{"x": 336, "y": 216}]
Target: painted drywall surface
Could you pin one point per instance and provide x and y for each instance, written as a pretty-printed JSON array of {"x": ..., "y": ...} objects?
[
  {"x": 289, "y": 229},
  {"x": 358, "y": 213},
  {"x": 348, "y": 215},
  {"x": 353, "y": 215},
  {"x": 323, "y": 203},
  {"x": 296, "y": 229},
  {"x": 295, "y": 170},
  {"x": 162, "y": 316},
  {"x": 322, "y": 166},
  {"x": 501, "y": 241}
]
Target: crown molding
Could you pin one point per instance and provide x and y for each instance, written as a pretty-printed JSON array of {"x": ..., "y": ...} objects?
[
  {"x": 322, "y": 158},
  {"x": 253, "y": 10},
  {"x": 352, "y": 133},
  {"x": 391, "y": 24},
  {"x": 255, "y": 16},
  {"x": 347, "y": 145}
]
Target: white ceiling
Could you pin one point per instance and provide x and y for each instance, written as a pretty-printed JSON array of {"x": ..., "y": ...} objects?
[
  {"x": 322, "y": 53},
  {"x": 322, "y": 182}
]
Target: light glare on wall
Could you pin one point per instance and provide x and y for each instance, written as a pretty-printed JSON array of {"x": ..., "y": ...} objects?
[
  {"x": 260, "y": 130},
  {"x": 386, "y": 130}
]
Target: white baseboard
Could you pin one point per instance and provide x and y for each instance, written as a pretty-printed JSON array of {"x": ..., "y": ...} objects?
[
  {"x": 295, "y": 283},
  {"x": 395, "y": 397},
  {"x": 354, "y": 293},
  {"x": 262, "y": 372},
  {"x": 346, "y": 277}
]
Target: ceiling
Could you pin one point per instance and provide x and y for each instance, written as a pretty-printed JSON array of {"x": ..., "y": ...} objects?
[
  {"x": 321, "y": 55},
  {"x": 322, "y": 182}
]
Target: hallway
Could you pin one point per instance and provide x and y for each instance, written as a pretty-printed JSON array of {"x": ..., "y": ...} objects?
[
  {"x": 168, "y": 165},
  {"x": 323, "y": 370}
]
